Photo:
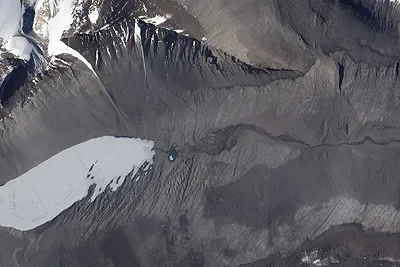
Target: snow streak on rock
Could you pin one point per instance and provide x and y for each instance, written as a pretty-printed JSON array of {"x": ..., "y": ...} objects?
[
  {"x": 42, "y": 193},
  {"x": 138, "y": 40},
  {"x": 157, "y": 20}
]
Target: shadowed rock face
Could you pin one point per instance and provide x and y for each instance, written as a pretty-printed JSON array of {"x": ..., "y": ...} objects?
[{"x": 293, "y": 154}]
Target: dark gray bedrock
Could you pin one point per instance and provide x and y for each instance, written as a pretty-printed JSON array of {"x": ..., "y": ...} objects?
[{"x": 130, "y": 97}]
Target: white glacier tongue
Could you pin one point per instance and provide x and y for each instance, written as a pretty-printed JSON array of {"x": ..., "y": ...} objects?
[
  {"x": 10, "y": 21},
  {"x": 56, "y": 26},
  {"x": 10, "y": 16},
  {"x": 43, "y": 192},
  {"x": 20, "y": 47}
]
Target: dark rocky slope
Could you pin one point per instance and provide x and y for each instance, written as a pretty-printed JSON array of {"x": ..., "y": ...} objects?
[{"x": 272, "y": 163}]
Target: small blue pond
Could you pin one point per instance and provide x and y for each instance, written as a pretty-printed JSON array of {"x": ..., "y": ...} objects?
[{"x": 172, "y": 154}]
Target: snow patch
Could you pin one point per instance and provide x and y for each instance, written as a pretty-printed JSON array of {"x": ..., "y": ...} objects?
[
  {"x": 312, "y": 258},
  {"x": 43, "y": 192},
  {"x": 137, "y": 32},
  {"x": 94, "y": 16},
  {"x": 179, "y": 31},
  {"x": 157, "y": 20},
  {"x": 20, "y": 47}
]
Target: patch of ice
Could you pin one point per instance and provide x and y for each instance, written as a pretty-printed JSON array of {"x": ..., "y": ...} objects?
[
  {"x": 42, "y": 193},
  {"x": 94, "y": 16},
  {"x": 157, "y": 20},
  {"x": 20, "y": 47}
]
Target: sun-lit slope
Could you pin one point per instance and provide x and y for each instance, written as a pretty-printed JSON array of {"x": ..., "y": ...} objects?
[{"x": 291, "y": 34}]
